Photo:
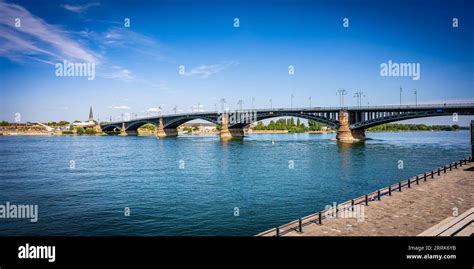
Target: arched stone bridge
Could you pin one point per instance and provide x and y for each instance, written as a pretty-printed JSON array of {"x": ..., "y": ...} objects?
[{"x": 351, "y": 122}]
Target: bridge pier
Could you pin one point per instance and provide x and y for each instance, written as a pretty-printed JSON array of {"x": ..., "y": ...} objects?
[
  {"x": 227, "y": 133},
  {"x": 344, "y": 133},
  {"x": 161, "y": 131},
  {"x": 123, "y": 132}
]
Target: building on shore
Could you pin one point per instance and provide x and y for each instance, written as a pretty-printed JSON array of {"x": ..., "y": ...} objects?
[{"x": 89, "y": 124}]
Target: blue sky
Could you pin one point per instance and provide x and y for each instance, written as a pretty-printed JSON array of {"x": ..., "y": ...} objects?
[{"x": 137, "y": 68}]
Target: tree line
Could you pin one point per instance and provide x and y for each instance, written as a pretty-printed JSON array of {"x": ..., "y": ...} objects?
[
  {"x": 393, "y": 127},
  {"x": 290, "y": 125}
]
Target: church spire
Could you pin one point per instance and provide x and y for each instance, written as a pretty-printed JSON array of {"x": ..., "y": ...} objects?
[{"x": 91, "y": 116}]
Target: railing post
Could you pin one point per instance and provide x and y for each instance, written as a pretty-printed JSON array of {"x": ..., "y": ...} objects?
[
  {"x": 277, "y": 231},
  {"x": 366, "y": 200},
  {"x": 417, "y": 180},
  {"x": 337, "y": 211},
  {"x": 300, "y": 226},
  {"x": 432, "y": 174},
  {"x": 456, "y": 165},
  {"x": 409, "y": 186},
  {"x": 444, "y": 168},
  {"x": 424, "y": 176},
  {"x": 450, "y": 167},
  {"x": 439, "y": 171},
  {"x": 378, "y": 195},
  {"x": 400, "y": 186},
  {"x": 390, "y": 190},
  {"x": 320, "y": 218},
  {"x": 352, "y": 204},
  {"x": 460, "y": 163}
]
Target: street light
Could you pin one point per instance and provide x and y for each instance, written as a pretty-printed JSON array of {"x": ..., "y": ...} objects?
[
  {"x": 223, "y": 103},
  {"x": 271, "y": 104},
  {"x": 359, "y": 95},
  {"x": 400, "y": 96},
  {"x": 341, "y": 93},
  {"x": 416, "y": 97},
  {"x": 309, "y": 101},
  {"x": 240, "y": 102},
  {"x": 253, "y": 101},
  {"x": 292, "y": 96}
]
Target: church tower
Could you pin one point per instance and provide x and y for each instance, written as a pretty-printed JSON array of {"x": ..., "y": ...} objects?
[{"x": 91, "y": 116}]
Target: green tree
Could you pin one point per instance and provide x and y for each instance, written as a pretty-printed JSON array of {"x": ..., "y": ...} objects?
[
  {"x": 90, "y": 132},
  {"x": 80, "y": 131}
]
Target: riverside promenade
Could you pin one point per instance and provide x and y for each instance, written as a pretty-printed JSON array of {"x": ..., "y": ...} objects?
[{"x": 422, "y": 204}]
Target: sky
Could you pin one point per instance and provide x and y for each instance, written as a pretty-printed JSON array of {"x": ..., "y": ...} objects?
[{"x": 137, "y": 68}]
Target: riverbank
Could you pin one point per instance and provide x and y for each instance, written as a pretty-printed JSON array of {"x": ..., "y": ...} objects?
[
  {"x": 151, "y": 133},
  {"x": 407, "y": 213}
]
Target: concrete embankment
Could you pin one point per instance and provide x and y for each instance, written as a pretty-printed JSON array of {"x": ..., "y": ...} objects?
[{"x": 422, "y": 203}]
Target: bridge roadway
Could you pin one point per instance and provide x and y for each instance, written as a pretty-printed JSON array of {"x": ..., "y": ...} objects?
[{"x": 350, "y": 122}]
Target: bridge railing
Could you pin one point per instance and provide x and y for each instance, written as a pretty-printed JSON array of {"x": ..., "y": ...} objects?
[{"x": 318, "y": 218}]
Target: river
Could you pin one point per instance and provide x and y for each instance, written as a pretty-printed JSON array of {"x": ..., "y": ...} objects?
[{"x": 198, "y": 185}]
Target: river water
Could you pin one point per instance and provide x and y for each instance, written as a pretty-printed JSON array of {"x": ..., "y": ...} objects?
[{"x": 198, "y": 185}]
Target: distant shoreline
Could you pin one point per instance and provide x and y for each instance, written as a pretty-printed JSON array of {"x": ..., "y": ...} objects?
[{"x": 198, "y": 134}]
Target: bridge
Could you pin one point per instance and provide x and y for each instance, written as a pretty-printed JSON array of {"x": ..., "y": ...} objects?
[{"x": 350, "y": 122}]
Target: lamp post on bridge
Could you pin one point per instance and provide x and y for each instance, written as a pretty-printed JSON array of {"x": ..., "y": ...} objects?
[
  {"x": 416, "y": 97},
  {"x": 341, "y": 93},
  {"x": 359, "y": 95},
  {"x": 175, "y": 108},
  {"x": 253, "y": 102},
  {"x": 400, "y": 96},
  {"x": 309, "y": 101},
  {"x": 240, "y": 102},
  {"x": 223, "y": 104},
  {"x": 292, "y": 96}
]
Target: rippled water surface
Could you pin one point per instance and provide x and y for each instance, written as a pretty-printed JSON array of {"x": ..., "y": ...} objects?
[{"x": 253, "y": 175}]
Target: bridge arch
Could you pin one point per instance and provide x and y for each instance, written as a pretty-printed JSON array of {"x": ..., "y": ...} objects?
[
  {"x": 400, "y": 117},
  {"x": 175, "y": 122},
  {"x": 110, "y": 128},
  {"x": 263, "y": 116},
  {"x": 133, "y": 126}
]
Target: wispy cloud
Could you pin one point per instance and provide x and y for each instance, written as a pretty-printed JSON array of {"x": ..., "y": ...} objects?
[
  {"x": 120, "y": 37},
  {"x": 80, "y": 8},
  {"x": 119, "y": 73},
  {"x": 204, "y": 71},
  {"x": 119, "y": 107},
  {"x": 153, "y": 109},
  {"x": 36, "y": 39}
]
